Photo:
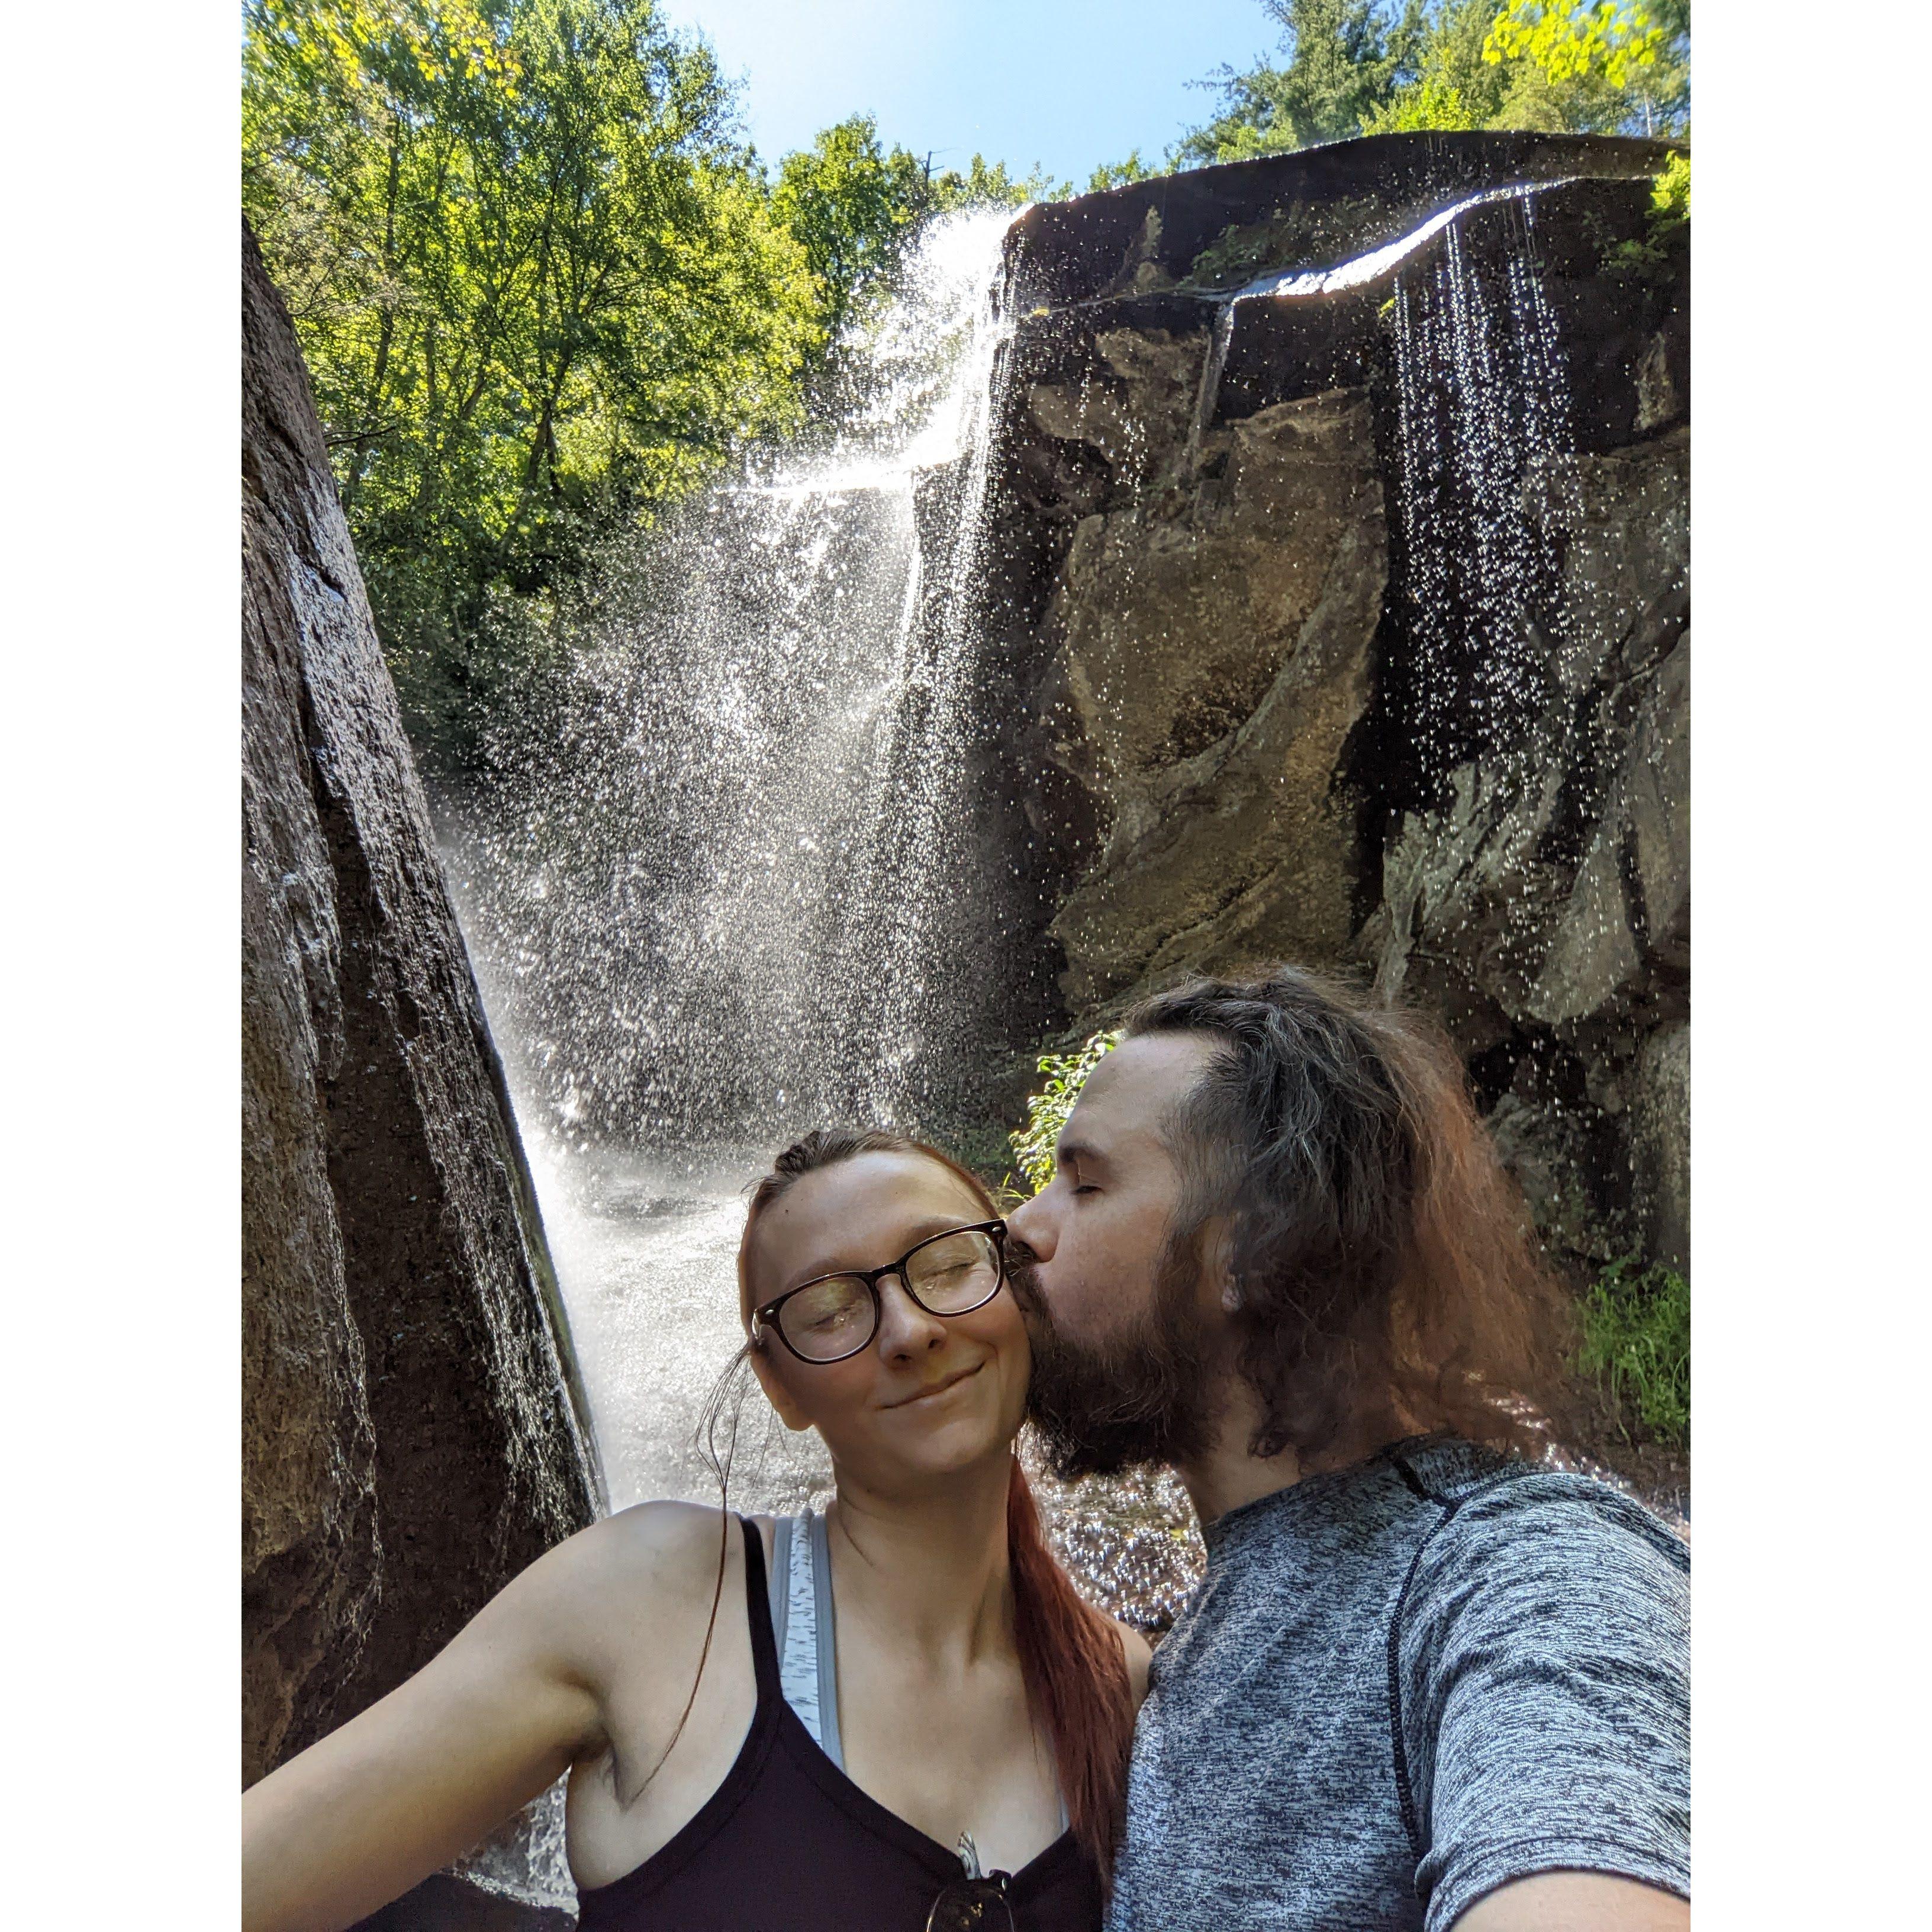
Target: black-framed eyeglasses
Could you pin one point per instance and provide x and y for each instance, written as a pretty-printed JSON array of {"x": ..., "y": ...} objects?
[
  {"x": 973, "y": 1905},
  {"x": 836, "y": 1315}
]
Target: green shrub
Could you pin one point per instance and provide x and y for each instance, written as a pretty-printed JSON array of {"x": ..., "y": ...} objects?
[
  {"x": 1047, "y": 1110},
  {"x": 1636, "y": 1342},
  {"x": 1645, "y": 256}
]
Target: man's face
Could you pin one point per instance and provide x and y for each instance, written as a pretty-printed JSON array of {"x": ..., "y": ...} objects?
[{"x": 1121, "y": 1342}]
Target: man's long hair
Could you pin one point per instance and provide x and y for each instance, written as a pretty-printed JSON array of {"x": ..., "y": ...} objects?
[{"x": 1386, "y": 1279}]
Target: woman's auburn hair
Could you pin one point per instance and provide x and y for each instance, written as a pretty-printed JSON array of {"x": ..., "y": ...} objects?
[{"x": 1072, "y": 1663}]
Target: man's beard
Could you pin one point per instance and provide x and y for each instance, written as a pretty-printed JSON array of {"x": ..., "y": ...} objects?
[{"x": 1144, "y": 1394}]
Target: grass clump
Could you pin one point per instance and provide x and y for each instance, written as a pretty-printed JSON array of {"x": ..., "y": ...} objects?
[
  {"x": 1636, "y": 1342},
  {"x": 1065, "y": 1074}
]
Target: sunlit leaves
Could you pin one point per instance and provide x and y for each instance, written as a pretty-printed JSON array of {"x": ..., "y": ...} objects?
[
  {"x": 1379, "y": 66},
  {"x": 1429, "y": 103},
  {"x": 1065, "y": 1074},
  {"x": 1608, "y": 40},
  {"x": 851, "y": 203},
  {"x": 539, "y": 286},
  {"x": 1670, "y": 194}
]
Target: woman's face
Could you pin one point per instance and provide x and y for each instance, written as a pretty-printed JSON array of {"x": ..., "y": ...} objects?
[{"x": 930, "y": 1394}]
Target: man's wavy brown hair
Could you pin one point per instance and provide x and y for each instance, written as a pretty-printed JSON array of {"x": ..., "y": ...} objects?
[{"x": 1388, "y": 1281}]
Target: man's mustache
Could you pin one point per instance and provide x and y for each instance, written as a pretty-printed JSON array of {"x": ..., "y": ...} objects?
[{"x": 1023, "y": 1278}]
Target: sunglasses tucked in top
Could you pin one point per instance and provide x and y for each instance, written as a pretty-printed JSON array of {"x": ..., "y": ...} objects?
[{"x": 836, "y": 1315}]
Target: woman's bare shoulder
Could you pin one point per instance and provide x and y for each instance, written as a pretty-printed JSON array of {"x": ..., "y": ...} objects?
[
  {"x": 651, "y": 1563},
  {"x": 1139, "y": 1655},
  {"x": 668, "y": 1545}
]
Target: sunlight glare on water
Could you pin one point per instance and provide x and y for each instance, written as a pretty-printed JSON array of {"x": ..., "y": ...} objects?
[{"x": 671, "y": 886}]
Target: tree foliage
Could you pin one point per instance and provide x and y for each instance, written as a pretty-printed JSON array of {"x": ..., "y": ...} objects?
[
  {"x": 1344, "y": 59},
  {"x": 1065, "y": 1075},
  {"x": 1120, "y": 174},
  {"x": 1608, "y": 40},
  {"x": 545, "y": 287},
  {"x": 1376, "y": 67},
  {"x": 539, "y": 284},
  {"x": 852, "y": 205}
]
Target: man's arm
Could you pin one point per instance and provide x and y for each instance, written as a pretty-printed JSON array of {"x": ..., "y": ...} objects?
[
  {"x": 1545, "y": 1713},
  {"x": 1572, "y": 1901}
]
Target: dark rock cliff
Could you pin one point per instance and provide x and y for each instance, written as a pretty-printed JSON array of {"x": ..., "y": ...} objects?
[
  {"x": 1349, "y": 623},
  {"x": 410, "y": 1436}
]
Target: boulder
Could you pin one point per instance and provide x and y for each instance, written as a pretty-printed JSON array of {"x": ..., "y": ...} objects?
[
  {"x": 413, "y": 1436},
  {"x": 1214, "y": 654},
  {"x": 1351, "y": 613}
]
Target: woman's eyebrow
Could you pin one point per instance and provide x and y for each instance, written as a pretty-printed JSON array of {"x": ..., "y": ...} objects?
[{"x": 921, "y": 1230}]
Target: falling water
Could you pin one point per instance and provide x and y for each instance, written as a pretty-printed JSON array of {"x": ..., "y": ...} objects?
[
  {"x": 720, "y": 882},
  {"x": 1489, "y": 509},
  {"x": 719, "y": 895},
  {"x": 1485, "y": 500},
  {"x": 716, "y": 893}
]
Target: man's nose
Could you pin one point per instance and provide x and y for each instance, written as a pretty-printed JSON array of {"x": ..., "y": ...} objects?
[
  {"x": 1030, "y": 1229},
  {"x": 904, "y": 1327}
]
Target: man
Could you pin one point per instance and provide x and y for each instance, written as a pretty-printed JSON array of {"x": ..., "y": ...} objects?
[{"x": 1427, "y": 1681}]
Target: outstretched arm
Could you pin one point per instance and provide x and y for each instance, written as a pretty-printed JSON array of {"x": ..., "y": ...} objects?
[
  {"x": 515, "y": 1698},
  {"x": 1575, "y": 1901},
  {"x": 1544, "y": 1694},
  {"x": 419, "y": 1778}
]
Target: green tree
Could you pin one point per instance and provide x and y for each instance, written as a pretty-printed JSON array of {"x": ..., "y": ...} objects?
[
  {"x": 852, "y": 205},
  {"x": 1371, "y": 67},
  {"x": 855, "y": 205},
  {"x": 1452, "y": 86},
  {"x": 539, "y": 286},
  {"x": 1590, "y": 66},
  {"x": 1345, "y": 59},
  {"x": 1119, "y": 174},
  {"x": 992, "y": 184}
]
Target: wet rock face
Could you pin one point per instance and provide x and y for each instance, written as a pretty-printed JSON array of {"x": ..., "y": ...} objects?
[
  {"x": 409, "y": 1438},
  {"x": 1356, "y": 623},
  {"x": 1214, "y": 652}
]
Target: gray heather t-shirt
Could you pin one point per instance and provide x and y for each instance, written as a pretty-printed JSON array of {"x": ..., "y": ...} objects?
[{"x": 1403, "y": 1685}]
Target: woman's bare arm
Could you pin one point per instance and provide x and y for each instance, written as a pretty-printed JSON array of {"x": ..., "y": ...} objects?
[{"x": 420, "y": 1778}]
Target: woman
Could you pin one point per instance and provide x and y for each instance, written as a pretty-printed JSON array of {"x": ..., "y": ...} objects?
[{"x": 731, "y": 1767}]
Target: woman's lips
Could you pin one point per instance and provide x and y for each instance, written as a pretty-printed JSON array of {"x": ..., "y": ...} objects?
[{"x": 938, "y": 1388}]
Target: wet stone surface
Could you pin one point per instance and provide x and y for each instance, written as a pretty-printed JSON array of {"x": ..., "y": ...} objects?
[{"x": 1131, "y": 1543}]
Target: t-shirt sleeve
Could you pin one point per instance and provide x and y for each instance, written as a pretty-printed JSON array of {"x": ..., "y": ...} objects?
[{"x": 1542, "y": 1665}]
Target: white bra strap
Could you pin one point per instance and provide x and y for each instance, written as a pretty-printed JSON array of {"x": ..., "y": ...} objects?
[
  {"x": 826, "y": 1628},
  {"x": 807, "y": 1674}
]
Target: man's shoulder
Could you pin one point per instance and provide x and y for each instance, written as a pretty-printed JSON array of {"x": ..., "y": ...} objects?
[
  {"x": 1519, "y": 1547},
  {"x": 1482, "y": 1499}
]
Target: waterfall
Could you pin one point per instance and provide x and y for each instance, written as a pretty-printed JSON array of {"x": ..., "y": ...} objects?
[
  {"x": 1484, "y": 496},
  {"x": 724, "y": 888}
]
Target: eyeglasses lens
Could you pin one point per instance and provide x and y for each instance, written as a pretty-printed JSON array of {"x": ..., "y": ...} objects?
[
  {"x": 973, "y": 1905},
  {"x": 830, "y": 1318},
  {"x": 955, "y": 1273}
]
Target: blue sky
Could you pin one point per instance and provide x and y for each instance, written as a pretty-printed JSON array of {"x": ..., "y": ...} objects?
[{"x": 1068, "y": 83}]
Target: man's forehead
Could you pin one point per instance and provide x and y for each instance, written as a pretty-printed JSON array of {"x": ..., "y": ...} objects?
[{"x": 1129, "y": 1091}]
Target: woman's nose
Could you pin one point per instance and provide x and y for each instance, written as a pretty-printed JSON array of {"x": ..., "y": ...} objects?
[{"x": 904, "y": 1327}]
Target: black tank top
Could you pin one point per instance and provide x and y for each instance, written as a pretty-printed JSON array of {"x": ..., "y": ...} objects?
[{"x": 789, "y": 1844}]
